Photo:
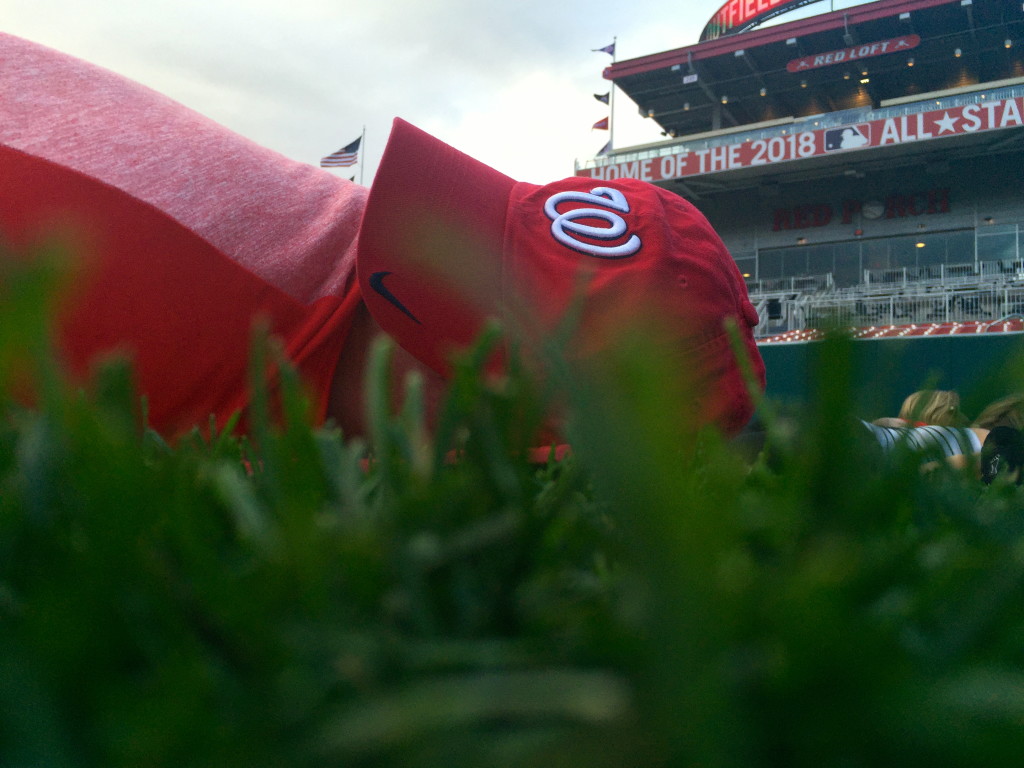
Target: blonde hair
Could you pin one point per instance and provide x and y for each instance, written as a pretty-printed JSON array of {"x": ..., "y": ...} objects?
[
  {"x": 933, "y": 406},
  {"x": 1005, "y": 412}
]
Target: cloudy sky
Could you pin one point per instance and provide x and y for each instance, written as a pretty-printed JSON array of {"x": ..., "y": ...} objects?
[{"x": 511, "y": 84}]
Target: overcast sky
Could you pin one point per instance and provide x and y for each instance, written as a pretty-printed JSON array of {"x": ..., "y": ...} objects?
[{"x": 511, "y": 84}]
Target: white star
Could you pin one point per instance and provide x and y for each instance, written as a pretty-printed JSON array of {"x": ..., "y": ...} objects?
[{"x": 947, "y": 124}]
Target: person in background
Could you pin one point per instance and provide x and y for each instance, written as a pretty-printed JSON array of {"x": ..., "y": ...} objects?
[
  {"x": 1003, "y": 451},
  {"x": 1005, "y": 412},
  {"x": 993, "y": 444},
  {"x": 933, "y": 406},
  {"x": 958, "y": 445}
]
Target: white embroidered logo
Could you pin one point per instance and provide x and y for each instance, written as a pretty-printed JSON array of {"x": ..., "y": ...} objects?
[{"x": 564, "y": 225}]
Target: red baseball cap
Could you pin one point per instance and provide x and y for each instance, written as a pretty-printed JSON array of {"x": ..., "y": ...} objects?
[{"x": 447, "y": 242}]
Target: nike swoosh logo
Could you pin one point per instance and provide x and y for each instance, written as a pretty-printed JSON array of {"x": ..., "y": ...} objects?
[{"x": 377, "y": 283}]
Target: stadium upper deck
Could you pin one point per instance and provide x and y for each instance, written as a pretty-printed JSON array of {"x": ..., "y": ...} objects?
[
  {"x": 891, "y": 80},
  {"x": 862, "y": 163}
]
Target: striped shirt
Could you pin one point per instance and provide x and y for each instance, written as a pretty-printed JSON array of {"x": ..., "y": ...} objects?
[{"x": 950, "y": 441}]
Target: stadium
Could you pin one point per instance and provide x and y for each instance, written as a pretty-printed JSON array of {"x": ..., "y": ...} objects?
[{"x": 862, "y": 165}]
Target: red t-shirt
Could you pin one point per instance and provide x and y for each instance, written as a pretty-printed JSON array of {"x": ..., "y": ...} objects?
[{"x": 185, "y": 232}]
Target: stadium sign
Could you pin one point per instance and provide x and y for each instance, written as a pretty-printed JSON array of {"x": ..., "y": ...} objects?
[
  {"x": 938, "y": 123},
  {"x": 895, "y": 206},
  {"x": 740, "y": 15},
  {"x": 855, "y": 53}
]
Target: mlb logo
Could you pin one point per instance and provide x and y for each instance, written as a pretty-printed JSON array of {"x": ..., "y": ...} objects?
[{"x": 847, "y": 137}]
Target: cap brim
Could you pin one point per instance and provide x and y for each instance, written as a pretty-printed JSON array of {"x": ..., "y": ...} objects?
[{"x": 430, "y": 246}]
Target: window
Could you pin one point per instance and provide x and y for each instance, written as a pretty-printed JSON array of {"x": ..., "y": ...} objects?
[
  {"x": 903, "y": 252},
  {"x": 846, "y": 270},
  {"x": 875, "y": 254},
  {"x": 934, "y": 250},
  {"x": 769, "y": 265},
  {"x": 819, "y": 258},
  {"x": 960, "y": 247},
  {"x": 993, "y": 246},
  {"x": 890, "y": 259},
  {"x": 794, "y": 262},
  {"x": 748, "y": 267}
]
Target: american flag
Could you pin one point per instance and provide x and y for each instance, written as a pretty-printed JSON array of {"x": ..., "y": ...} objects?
[{"x": 344, "y": 157}]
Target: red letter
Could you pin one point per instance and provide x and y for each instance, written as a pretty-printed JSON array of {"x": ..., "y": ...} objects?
[
  {"x": 850, "y": 207},
  {"x": 782, "y": 220}
]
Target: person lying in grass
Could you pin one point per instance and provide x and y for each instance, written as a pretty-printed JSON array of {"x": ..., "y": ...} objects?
[
  {"x": 992, "y": 444},
  {"x": 187, "y": 234}
]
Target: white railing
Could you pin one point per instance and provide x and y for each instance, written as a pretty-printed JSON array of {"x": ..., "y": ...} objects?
[
  {"x": 941, "y": 307},
  {"x": 790, "y": 284},
  {"x": 947, "y": 274},
  {"x": 985, "y": 291}
]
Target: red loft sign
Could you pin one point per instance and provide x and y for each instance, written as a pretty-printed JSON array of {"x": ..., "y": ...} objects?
[
  {"x": 801, "y": 145},
  {"x": 741, "y": 15},
  {"x": 855, "y": 53}
]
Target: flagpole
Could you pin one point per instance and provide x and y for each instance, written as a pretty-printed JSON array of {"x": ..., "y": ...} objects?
[
  {"x": 611, "y": 104},
  {"x": 362, "y": 163}
]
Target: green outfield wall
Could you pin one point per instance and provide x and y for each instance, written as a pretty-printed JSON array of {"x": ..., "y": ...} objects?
[{"x": 981, "y": 367}]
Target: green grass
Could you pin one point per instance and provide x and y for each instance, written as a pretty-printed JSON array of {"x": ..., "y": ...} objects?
[{"x": 656, "y": 599}]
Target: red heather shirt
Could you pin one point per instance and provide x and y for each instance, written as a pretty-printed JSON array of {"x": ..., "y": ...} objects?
[{"x": 189, "y": 233}]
